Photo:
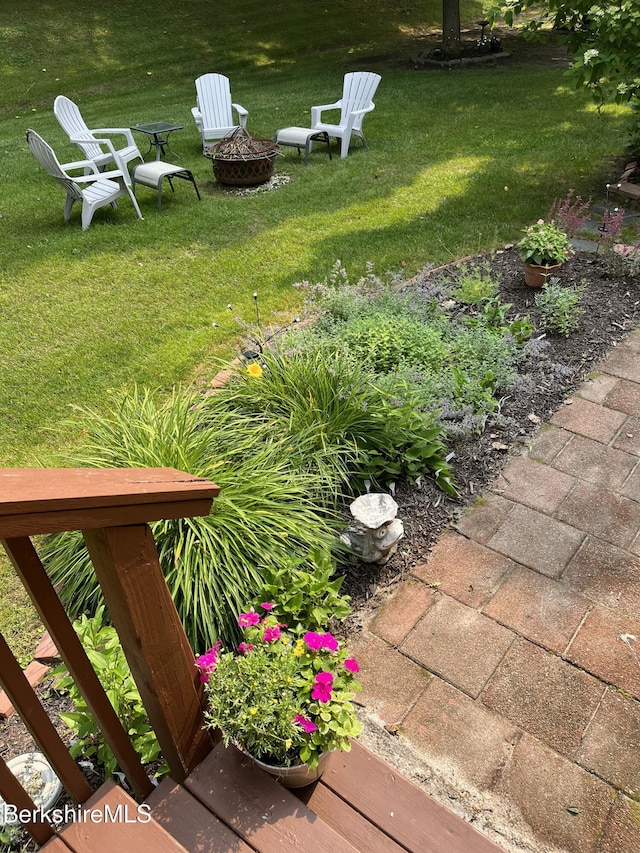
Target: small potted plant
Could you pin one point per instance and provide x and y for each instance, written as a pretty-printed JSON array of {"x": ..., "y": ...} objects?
[
  {"x": 283, "y": 697},
  {"x": 544, "y": 248}
]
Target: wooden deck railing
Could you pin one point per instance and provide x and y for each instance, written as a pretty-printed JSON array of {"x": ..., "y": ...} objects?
[{"x": 112, "y": 508}]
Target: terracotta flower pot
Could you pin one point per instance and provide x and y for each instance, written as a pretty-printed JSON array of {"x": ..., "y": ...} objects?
[
  {"x": 537, "y": 276},
  {"x": 296, "y": 776}
]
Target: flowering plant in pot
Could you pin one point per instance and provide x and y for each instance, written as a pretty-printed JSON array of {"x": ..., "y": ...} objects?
[
  {"x": 284, "y": 697},
  {"x": 544, "y": 247}
]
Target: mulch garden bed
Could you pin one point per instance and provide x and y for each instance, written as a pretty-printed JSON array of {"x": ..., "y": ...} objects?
[{"x": 612, "y": 309}]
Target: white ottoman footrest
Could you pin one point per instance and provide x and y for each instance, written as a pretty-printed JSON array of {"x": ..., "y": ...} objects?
[
  {"x": 152, "y": 174},
  {"x": 302, "y": 137}
]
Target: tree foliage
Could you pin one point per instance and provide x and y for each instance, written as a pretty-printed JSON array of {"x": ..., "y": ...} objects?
[{"x": 602, "y": 37}]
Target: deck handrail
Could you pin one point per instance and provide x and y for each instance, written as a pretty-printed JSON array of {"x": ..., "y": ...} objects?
[{"x": 112, "y": 508}]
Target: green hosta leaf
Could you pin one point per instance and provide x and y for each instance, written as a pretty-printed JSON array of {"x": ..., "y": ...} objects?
[
  {"x": 99, "y": 661},
  {"x": 72, "y": 718}
]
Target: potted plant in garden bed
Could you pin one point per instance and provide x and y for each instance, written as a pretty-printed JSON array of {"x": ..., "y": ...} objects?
[
  {"x": 283, "y": 697},
  {"x": 544, "y": 248}
]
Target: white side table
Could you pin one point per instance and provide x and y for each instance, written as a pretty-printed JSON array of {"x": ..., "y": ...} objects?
[{"x": 297, "y": 137}]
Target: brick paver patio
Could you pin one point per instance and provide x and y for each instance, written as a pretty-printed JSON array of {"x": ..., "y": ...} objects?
[{"x": 512, "y": 652}]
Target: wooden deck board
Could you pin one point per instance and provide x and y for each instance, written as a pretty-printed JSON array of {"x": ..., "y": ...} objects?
[
  {"x": 38, "y": 500},
  {"x": 227, "y": 805},
  {"x": 126, "y": 835},
  {"x": 400, "y": 808},
  {"x": 55, "y": 845},
  {"x": 190, "y": 823},
  {"x": 263, "y": 813},
  {"x": 31, "y": 490},
  {"x": 349, "y": 823}
]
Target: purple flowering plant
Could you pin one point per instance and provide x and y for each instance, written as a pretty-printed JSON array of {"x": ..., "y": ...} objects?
[{"x": 283, "y": 696}]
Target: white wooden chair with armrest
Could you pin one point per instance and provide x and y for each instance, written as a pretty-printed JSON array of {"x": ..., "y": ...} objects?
[
  {"x": 93, "y": 189},
  {"x": 357, "y": 92},
  {"x": 93, "y": 143},
  {"x": 213, "y": 113}
]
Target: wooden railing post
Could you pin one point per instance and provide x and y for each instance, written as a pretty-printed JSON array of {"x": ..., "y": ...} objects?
[
  {"x": 35, "y": 580},
  {"x": 153, "y": 639},
  {"x": 39, "y": 725},
  {"x": 112, "y": 507}
]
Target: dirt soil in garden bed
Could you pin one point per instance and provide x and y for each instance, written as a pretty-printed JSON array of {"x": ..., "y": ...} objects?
[{"x": 612, "y": 309}]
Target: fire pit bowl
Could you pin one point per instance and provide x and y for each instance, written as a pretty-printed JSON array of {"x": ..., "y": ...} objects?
[{"x": 243, "y": 160}]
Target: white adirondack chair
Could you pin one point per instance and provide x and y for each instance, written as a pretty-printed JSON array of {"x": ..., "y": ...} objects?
[
  {"x": 213, "y": 111},
  {"x": 357, "y": 93},
  {"x": 92, "y": 189},
  {"x": 93, "y": 146}
]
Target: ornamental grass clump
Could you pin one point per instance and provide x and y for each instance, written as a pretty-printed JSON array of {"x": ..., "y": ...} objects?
[
  {"x": 544, "y": 244},
  {"x": 266, "y": 512},
  {"x": 283, "y": 697}
]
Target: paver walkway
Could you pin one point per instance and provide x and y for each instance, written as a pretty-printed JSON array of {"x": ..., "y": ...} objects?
[{"x": 512, "y": 653}]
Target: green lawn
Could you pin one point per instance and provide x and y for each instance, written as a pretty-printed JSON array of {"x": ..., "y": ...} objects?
[
  {"x": 458, "y": 162},
  {"x": 87, "y": 312}
]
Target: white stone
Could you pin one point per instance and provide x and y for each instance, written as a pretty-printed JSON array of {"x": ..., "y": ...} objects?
[
  {"x": 375, "y": 535},
  {"x": 374, "y": 509}
]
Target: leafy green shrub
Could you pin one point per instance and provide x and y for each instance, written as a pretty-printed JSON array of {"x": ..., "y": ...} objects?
[
  {"x": 633, "y": 128},
  {"x": 478, "y": 350},
  {"x": 618, "y": 265},
  {"x": 560, "y": 307},
  {"x": 307, "y": 592},
  {"x": 475, "y": 284},
  {"x": 453, "y": 363},
  {"x": 12, "y": 838},
  {"x": 265, "y": 512},
  {"x": 337, "y": 299},
  {"x": 494, "y": 315},
  {"x": 481, "y": 363},
  {"x": 103, "y": 649},
  {"x": 407, "y": 444},
  {"x": 385, "y": 341},
  {"x": 352, "y": 429}
]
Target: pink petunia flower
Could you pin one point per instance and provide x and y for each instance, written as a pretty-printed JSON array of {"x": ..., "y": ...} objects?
[
  {"x": 313, "y": 640},
  {"x": 321, "y": 693},
  {"x": 245, "y": 620},
  {"x": 245, "y": 648},
  {"x": 305, "y": 723},
  {"x": 322, "y": 687},
  {"x": 267, "y": 605},
  {"x": 329, "y": 642},
  {"x": 206, "y": 663},
  {"x": 271, "y": 634},
  {"x": 352, "y": 665}
]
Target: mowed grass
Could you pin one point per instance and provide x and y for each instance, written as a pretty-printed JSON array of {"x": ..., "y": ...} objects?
[{"x": 458, "y": 163}]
